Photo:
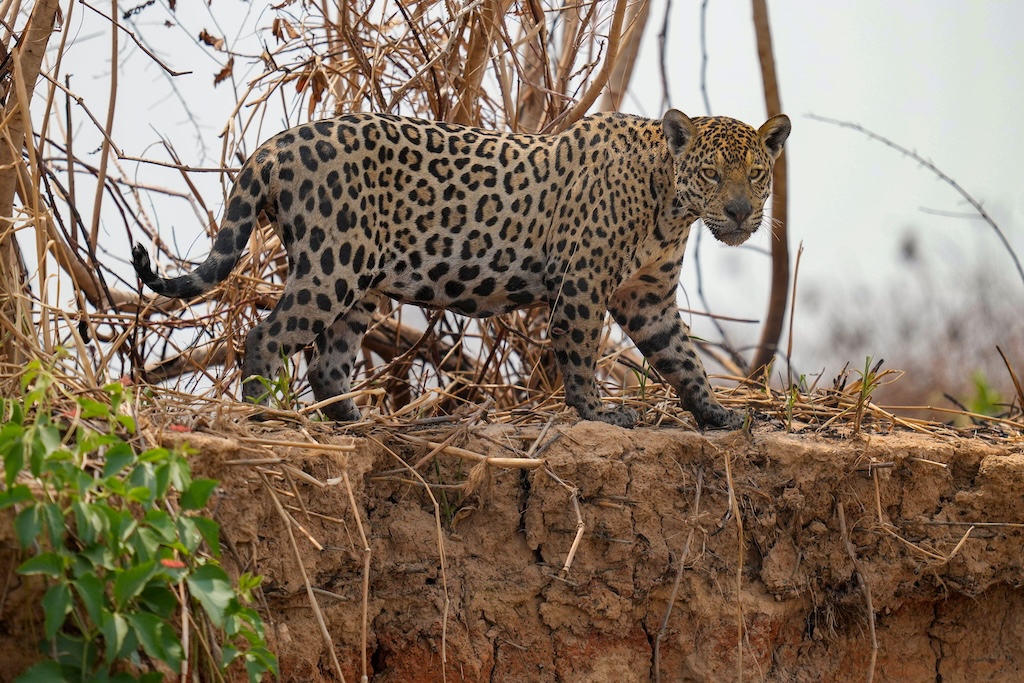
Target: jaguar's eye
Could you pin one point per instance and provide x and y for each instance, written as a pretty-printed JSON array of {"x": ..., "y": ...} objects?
[
  {"x": 756, "y": 174},
  {"x": 709, "y": 174}
]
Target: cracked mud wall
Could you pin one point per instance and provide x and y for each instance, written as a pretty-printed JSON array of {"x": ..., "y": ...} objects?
[{"x": 931, "y": 521}]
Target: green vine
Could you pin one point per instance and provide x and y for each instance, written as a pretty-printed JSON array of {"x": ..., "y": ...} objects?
[{"x": 117, "y": 537}]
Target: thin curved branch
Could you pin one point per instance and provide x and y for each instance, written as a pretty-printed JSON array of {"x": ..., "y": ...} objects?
[{"x": 975, "y": 204}]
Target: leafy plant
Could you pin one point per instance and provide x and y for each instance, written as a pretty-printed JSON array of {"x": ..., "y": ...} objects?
[
  {"x": 793, "y": 396},
  {"x": 642, "y": 375},
  {"x": 117, "y": 537},
  {"x": 986, "y": 400},
  {"x": 278, "y": 391},
  {"x": 869, "y": 381},
  {"x": 449, "y": 505}
]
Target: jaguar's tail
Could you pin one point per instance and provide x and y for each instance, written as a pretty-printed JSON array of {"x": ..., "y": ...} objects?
[{"x": 246, "y": 195}]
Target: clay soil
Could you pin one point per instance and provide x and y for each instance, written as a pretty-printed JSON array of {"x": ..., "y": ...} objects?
[{"x": 701, "y": 557}]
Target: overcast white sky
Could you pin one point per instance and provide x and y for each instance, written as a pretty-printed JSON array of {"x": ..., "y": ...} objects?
[{"x": 942, "y": 77}]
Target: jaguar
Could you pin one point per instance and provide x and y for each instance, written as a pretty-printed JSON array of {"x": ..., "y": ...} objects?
[{"x": 587, "y": 221}]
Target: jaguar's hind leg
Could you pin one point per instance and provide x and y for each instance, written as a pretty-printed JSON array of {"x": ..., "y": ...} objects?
[
  {"x": 330, "y": 371},
  {"x": 575, "y": 331},
  {"x": 299, "y": 317}
]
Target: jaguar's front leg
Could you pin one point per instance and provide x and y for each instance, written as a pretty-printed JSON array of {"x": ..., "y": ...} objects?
[{"x": 647, "y": 311}]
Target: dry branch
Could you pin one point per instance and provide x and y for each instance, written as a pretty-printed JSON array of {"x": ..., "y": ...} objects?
[
  {"x": 622, "y": 71},
  {"x": 27, "y": 57},
  {"x": 771, "y": 332},
  {"x": 583, "y": 105}
]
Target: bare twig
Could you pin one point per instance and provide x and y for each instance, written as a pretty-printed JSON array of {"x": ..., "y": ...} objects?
[
  {"x": 681, "y": 565},
  {"x": 704, "y": 56},
  {"x": 286, "y": 518},
  {"x": 581, "y": 527},
  {"x": 734, "y": 510},
  {"x": 366, "y": 571},
  {"x": 611, "y": 55},
  {"x": 135, "y": 38},
  {"x": 792, "y": 316},
  {"x": 1013, "y": 377},
  {"x": 864, "y": 587}
]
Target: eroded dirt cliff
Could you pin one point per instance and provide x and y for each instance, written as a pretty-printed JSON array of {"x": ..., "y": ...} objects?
[
  {"x": 946, "y": 608},
  {"x": 469, "y": 582}
]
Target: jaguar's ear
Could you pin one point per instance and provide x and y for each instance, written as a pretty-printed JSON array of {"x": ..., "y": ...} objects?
[
  {"x": 774, "y": 133},
  {"x": 679, "y": 131}
]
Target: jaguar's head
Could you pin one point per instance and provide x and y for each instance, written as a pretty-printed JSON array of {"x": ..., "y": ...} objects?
[{"x": 723, "y": 169}]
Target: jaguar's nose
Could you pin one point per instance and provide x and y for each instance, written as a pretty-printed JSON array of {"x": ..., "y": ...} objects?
[{"x": 738, "y": 210}]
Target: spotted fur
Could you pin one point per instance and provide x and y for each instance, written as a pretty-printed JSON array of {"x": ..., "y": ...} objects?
[{"x": 590, "y": 220}]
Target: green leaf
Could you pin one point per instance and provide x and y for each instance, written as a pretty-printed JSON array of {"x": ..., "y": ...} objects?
[
  {"x": 197, "y": 494},
  {"x": 56, "y": 605},
  {"x": 259, "y": 660},
  {"x": 209, "y": 584},
  {"x": 28, "y": 525},
  {"x": 210, "y": 532},
  {"x": 36, "y": 377},
  {"x": 128, "y": 422},
  {"x": 10, "y": 432},
  {"x": 228, "y": 654},
  {"x": 47, "y": 434},
  {"x": 43, "y": 439},
  {"x": 81, "y": 481},
  {"x": 53, "y": 516},
  {"x": 161, "y": 480},
  {"x": 48, "y": 564},
  {"x": 90, "y": 592},
  {"x": 249, "y": 616},
  {"x": 89, "y": 522},
  {"x": 105, "y": 677},
  {"x": 146, "y": 543},
  {"x": 131, "y": 581},
  {"x": 17, "y": 414},
  {"x": 118, "y": 456},
  {"x": 159, "y": 599},
  {"x": 140, "y": 494},
  {"x": 70, "y": 650},
  {"x": 19, "y": 493},
  {"x": 44, "y": 672},
  {"x": 89, "y": 440},
  {"x": 247, "y": 582},
  {"x": 13, "y": 450},
  {"x": 157, "y": 638},
  {"x": 180, "y": 472},
  {"x": 120, "y": 524},
  {"x": 154, "y": 455},
  {"x": 91, "y": 408},
  {"x": 114, "y": 628},
  {"x": 99, "y": 556},
  {"x": 162, "y": 524},
  {"x": 116, "y": 487},
  {"x": 189, "y": 534}
]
